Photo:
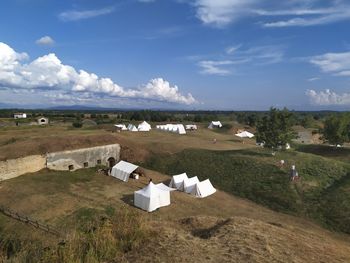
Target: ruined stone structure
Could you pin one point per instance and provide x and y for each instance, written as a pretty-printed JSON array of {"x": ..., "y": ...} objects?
[
  {"x": 83, "y": 158},
  {"x": 16, "y": 167},
  {"x": 107, "y": 155}
]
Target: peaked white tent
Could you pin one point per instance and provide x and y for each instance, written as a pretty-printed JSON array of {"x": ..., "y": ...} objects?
[
  {"x": 189, "y": 184},
  {"x": 121, "y": 127},
  {"x": 215, "y": 124},
  {"x": 165, "y": 187},
  {"x": 245, "y": 134},
  {"x": 151, "y": 198},
  {"x": 122, "y": 170},
  {"x": 177, "y": 181},
  {"x": 132, "y": 127},
  {"x": 203, "y": 189},
  {"x": 144, "y": 126}
]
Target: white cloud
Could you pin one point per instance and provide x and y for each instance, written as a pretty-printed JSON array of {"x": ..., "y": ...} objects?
[
  {"x": 313, "y": 79},
  {"x": 45, "y": 41},
  {"x": 328, "y": 97},
  {"x": 337, "y": 64},
  {"x": 48, "y": 73},
  {"x": 232, "y": 49},
  {"x": 210, "y": 67},
  {"x": 235, "y": 55},
  {"x": 220, "y": 13},
  {"x": 74, "y": 15}
]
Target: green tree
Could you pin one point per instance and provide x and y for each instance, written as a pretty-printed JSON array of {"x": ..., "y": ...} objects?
[
  {"x": 336, "y": 129},
  {"x": 275, "y": 129}
]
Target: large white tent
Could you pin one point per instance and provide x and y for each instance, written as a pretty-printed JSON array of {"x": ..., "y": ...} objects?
[
  {"x": 132, "y": 127},
  {"x": 215, "y": 124},
  {"x": 189, "y": 184},
  {"x": 245, "y": 134},
  {"x": 151, "y": 198},
  {"x": 144, "y": 126},
  {"x": 122, "y": 170},
  {"x": 177, "y": 181},
  {"x": 121, "y": 127},
  {"x": 203, "y": 189}
]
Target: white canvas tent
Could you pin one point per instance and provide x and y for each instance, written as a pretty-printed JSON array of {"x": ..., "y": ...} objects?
[
  {"x": 215, "y": 124},
  {"x": 203, "y": 189},
  {"x": 132, "y": 127},
  {"x": 177, "y": 181},
  {"x": 122, "y": 170},
  {"x": 189, "y": 184},
  {"x": 165, "y": 187},
  {"x": 151, "y": 198},
  {"x": 122, "y": 127},
  {"x": 181, "y": 129},
  {"x": 144, "y": 126},
  {"x": 245, "y": 134},
  {"x": 191, "y": 127}
]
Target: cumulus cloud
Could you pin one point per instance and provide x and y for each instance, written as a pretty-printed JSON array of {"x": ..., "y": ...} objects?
[
  {"x": 49, "y": 73},
  {"x": 335, "y": 63},
  {"x": 73, "y": 15},
  {"x": 45, "y": 41},
  {"x": 328, "y": 97},
  {"x": 220, "y": 13}
]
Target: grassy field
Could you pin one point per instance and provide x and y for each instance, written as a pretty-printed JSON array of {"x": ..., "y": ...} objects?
[{"x": 322, "y": 193}]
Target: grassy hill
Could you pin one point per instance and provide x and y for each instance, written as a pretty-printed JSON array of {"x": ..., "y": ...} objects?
[{"x": 322, "y": 193}]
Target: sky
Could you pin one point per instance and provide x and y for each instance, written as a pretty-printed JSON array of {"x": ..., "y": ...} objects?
[{"x": 175, "y": 54}]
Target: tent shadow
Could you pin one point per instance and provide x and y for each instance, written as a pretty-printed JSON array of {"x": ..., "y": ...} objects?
[{"x": 128, "y": 199}]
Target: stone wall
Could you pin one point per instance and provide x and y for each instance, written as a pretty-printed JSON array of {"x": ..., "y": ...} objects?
[
  {"x": 83, "y": 158},
  {"x": 16, "y": 167}
]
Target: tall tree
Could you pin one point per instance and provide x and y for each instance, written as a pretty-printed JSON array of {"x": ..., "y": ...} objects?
[{"x": 275, "y": 129}]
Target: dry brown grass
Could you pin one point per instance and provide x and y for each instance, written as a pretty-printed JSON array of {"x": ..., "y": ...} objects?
[{"x": 252, "y": 234}]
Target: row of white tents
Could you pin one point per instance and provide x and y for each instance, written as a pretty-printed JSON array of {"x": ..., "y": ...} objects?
[
  {"x": 192, "y": 185},
  {"x": 154, "y": 196},
  {"x": 175, "y": 128},
  {"x": 143, "y": 127}
]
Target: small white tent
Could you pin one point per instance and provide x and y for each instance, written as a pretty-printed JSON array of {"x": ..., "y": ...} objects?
[
  {"x": 122, "y": 170},
  {"x": 144, "y": 126},
  {"x": 132, "y": 127},
  {"x": 245, "y": 134},
  {"x": 177, "y": 181},
  {"x": 191, "y": 127},
  {"x": 121, "y": 127},
  {"x": 203, "y": 189},
  {"x": 151, "y": 198},
  {"x": 215, "y": 124},
  {"x": 189, "y": 184}
]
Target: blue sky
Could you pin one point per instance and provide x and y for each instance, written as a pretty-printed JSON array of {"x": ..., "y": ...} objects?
[{"x": 200, "y": 54}]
